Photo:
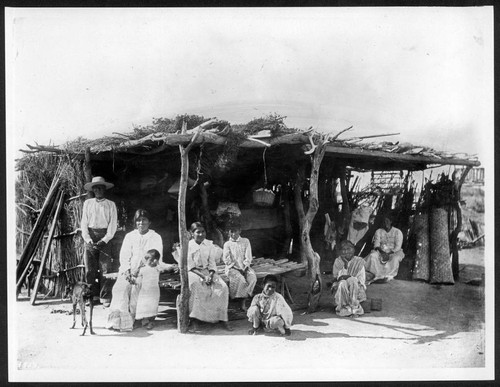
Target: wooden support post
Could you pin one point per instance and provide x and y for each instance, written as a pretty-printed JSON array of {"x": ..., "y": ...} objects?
[
  {"x": 455, "y": 266},
  {"x": 183, "y": 298},
  {"x": 305, "y": 219}
]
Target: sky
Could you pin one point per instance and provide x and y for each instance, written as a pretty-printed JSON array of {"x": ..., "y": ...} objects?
[{"x": 426, "y": 73}]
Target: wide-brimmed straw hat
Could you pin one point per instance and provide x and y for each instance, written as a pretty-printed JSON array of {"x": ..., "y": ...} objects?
[{"x": 98, "y": 180}]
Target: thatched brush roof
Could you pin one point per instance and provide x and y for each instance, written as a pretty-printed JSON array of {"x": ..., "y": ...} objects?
[{"x": 164, "y": 136}]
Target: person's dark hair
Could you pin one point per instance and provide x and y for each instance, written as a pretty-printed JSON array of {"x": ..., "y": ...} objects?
[
  {"x": 270, "y": 278},
  {"x": 154, "y": 253},
  {"x": 388, "y": 215},
  {"x": 346, "y": 243},
  {"x": 141, "y": 213},
  {"x": 234, "y": 224},
  {"x": 196, "y": 225}
]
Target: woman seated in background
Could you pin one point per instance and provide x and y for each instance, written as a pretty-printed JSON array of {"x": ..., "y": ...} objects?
[
  {"x": 383, "y": 261},
  {"x": 237, "y": 256},
  {"x": 349, "y": 281},
  {"x": 126, "y": 290},
  {"x": 209, "y": 296}
]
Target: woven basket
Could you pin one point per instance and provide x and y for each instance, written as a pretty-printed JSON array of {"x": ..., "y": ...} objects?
[
  {"x": 440, "y": 270},
  {"x": 263, "y": 198}
]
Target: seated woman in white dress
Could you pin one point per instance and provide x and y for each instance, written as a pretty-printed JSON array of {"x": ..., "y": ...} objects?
[
  {"x": 383, "y": 261},
  {"x": 237, "y": 256},
  {"x": 209, "y": 296},
  {"x": 126, "y": 290}
]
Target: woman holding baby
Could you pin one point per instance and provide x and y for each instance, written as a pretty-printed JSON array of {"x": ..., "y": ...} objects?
[{"x": 136, "y": 266}]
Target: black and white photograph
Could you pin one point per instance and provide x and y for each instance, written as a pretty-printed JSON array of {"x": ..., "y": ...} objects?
[{"x": 272, "y": 194}]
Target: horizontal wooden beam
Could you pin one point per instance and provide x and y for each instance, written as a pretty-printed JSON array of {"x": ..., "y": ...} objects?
[
  {"x": 337, "y": 151},
  {"x": 158, "y": 142}
]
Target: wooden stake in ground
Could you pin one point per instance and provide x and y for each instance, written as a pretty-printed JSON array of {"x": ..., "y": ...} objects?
[
  {"x": 36, "y": 235},
  {"x": 183, "y": 298},
  {"x": 305, "y": 219},
  {"x": 47, "y": 247}
]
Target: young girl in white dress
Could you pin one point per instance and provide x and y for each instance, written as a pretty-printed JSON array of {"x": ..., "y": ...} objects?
[{"x": 148, "y": 275}]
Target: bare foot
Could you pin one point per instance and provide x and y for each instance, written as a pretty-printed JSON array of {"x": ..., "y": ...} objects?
[{"x": 226, "y": 326}]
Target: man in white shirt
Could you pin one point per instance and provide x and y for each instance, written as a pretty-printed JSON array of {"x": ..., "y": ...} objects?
[{"x": 98, "y": 225}]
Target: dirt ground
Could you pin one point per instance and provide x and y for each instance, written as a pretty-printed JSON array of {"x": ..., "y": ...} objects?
[{"x": 422, "y": 332}]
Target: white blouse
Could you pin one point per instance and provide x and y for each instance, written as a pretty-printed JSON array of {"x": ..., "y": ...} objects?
[
  {"x": 237, "y": 253},
  {"x": 135, "y": 247},
  {"x": 203, "y": 255}
]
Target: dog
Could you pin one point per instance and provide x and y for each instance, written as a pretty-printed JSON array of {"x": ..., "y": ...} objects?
[{"x": 80, "y": 294}]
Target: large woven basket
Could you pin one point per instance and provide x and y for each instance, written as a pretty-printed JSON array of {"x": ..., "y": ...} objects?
[
  {"x": 263, "y": 197},
  {"x": 440, "y": 270}
]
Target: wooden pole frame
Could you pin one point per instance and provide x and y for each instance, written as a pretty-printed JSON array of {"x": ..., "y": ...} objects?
[
  {"x": 47, "y": 247},
  {"x": 306, "y": 218},
  {"x": 454, "y": 234},
  {"x": 183, "y": 297}
]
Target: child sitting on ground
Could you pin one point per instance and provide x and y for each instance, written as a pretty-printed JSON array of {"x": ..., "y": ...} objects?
[
  {"x": 270, "y": 310},
  {"x": 148, "y": 275}
]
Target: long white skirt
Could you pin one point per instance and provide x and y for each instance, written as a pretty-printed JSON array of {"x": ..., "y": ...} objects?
[
  {"x": 348, "y": 296},
  {"x": 380, "y": 269},
  {"x": 208, "y": 303},
  {"x": 123, "y": 305}
]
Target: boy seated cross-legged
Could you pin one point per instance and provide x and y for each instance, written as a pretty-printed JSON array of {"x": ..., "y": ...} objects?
[{"x": 269, "y": 310}]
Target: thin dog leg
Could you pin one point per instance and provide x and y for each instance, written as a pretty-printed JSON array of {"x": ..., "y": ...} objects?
[
  {"x": 74, "y": 315},
  {"x": 91, "y": 312},
  {"x": 84, "y": 319}
]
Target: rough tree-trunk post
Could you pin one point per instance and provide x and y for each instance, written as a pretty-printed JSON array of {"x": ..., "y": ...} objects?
[
  {"x": 183, "y": 298},
  {"x": 454, "y": 234},
  {"x": 305, "y": 219}
]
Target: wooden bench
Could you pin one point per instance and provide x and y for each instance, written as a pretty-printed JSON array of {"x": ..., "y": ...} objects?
[{"x": 261, "y": 266}]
